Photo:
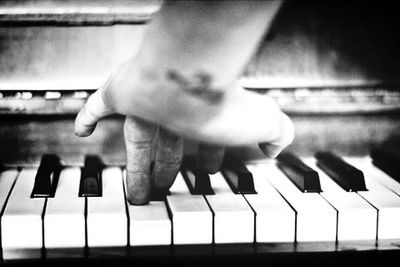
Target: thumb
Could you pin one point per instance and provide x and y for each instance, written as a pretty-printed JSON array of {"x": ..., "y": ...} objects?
[{"x": 90, "y": 114}]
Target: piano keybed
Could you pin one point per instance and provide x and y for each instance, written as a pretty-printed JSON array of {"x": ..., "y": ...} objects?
[{"x": 278, "y": 216}]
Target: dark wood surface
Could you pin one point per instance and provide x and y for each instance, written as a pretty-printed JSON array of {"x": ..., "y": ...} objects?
[
  {"x": 23, "y": 140},
  {"x": 352, "y": 253}
]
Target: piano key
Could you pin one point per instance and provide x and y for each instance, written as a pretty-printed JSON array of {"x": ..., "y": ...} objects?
[
  {"x": 21, "y": 223},
  {"x": 149, "y": 224},
  {"x": 47, "y": 177},
  {"x": 275, "y": 219},
  {"x": 107, "y": 222},
  {"x": 90, "y": 184},
  {"x": 345, "y": 175},
  {"x": 304, "y": 177},
  {"x": 233, "y": 217},
  {"x": 382, "y": 198},
  {"x": 7, "y": 179},
  {"x": 191, "y": 216},
  {"x": 381, "y": 176},
  {"x": 238, "y": 176},
  {"x": 315, "y": 217},
  {"x": 357, "y": 219},
  {"x": 388, "y": 161},
  {"x": 64, "y": 218},
  {"x": 197, "y": 180}
]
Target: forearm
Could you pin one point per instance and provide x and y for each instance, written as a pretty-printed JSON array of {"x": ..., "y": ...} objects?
[
  {"x": 184, "y": 75},
  {"x": 205, "y": 38}
]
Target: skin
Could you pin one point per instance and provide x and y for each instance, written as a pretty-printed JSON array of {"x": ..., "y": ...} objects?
[{"x": 183, "y": 83}]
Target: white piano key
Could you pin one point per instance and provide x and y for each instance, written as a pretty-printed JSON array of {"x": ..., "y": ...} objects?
[
  {"x": 21, "y": 223},
  {"x": 357, "y": 219},
  {"x": 107, "y": 222},
  {"x": 382, "y": 198},
  {"x": 149, "y": 224},
  {"x": 191, "y": 216},
  {"x": 380, "y": 176},
  {"x": 233, "y": 217},
  {"x": 64, "y": 219},
  {"x": 275, "y": 219},
  {"x": 7, "y": 179},
  {"x": 316, "y": 218}
]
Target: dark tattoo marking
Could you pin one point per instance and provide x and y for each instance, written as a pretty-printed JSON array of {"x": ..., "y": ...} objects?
[{"x": 199, "y": 85}]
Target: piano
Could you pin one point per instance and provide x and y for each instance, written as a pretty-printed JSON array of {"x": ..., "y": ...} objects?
[{"x": 332, "y": 197}]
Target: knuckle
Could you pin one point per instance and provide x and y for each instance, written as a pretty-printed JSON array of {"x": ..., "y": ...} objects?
[
  {"x": 136, "y": 131},
  {"x": 138, "y": 162},
  {"x": 169, "y": 160},
  {"x": 169, "y": 138}
]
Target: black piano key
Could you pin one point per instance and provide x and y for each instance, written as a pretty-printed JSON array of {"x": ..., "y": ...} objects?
[
  {"x": 90, "y": 184},
  {"x": 387, "y": 160},
  {"x": 239, "y": 178},
  {"x": 159, "y": 194},
  {"x": 344, "y": 174},
  {"x": 196, "y": 179},
  {"x": 304, "y": 177},
  {"x": 202, "y": 184},
  {"x": 46, "y": 177}
]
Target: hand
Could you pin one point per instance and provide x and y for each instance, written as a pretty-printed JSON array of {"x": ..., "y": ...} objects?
[
  {"x": 182, "y": 83},
  {"x": 161, "y": 112}
]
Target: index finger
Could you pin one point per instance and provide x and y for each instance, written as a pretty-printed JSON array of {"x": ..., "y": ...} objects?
[{"x": 139, "y": 137}]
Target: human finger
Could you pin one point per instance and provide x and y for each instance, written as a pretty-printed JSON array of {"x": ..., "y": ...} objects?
[
  {"x": 94, "y": 109},
  {"x": 139, "y": 136},
  {"x": 272, "y": 150},
  {"x": 168, "y": 159},
  {"x": 247, "y": 118},
  {"x": 210, "y": 157}
]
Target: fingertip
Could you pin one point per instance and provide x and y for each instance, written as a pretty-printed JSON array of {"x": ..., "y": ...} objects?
[
  {"x": 286, "y": 137},
  {"x": 138, "y": 188},
  {"x": 210, "y": 157},
  {"x": 269, "y": 150},
  {"x": 90, "y": 114},
  {"x": 80, "y": 128},
  {"x": 133, "y": 200},
  {"x": 83, "y": 132}
]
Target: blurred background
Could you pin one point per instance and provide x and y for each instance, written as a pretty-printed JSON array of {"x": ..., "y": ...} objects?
[{"x": 332, "y": 66}]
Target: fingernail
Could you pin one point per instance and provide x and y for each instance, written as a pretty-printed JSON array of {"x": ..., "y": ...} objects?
[
  {"x": 83, "y": 131},
  {"x": 269, "y": 150}
]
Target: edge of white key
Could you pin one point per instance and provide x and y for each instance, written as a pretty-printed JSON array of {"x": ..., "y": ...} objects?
[
  {"x": 275, "y": 219},
  {"x": 191, "y": 216},
  {"x": 149, "y": 224},
  {"x": 107, "y": 221},
  {"x": 64, "y": 219},
  {"x": 315, "y": 217},
  {"x": 357, "y": 219},
  {"x": 233, "y": 217}
]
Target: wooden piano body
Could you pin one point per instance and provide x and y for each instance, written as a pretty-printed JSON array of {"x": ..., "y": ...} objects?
[{"x": 333, "y": 68}]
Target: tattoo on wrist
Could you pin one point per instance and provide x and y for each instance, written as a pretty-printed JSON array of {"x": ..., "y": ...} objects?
[{"x": 198, "y": 85}]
